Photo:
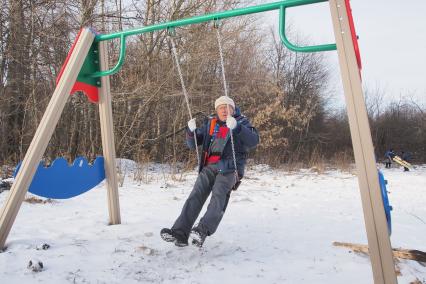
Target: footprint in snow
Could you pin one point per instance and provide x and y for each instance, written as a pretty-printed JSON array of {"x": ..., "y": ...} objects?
[{"x": 243, "y": 199}]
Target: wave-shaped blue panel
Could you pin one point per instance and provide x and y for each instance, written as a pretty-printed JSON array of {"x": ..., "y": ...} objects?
[
  {"x": 388, "y": 208},
  {"x": 62, "y": 181}
]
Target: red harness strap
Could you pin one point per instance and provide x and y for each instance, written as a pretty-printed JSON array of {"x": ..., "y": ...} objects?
[
  {"x": 211, "y": 131},
  {"x": 206, "y": 156}
]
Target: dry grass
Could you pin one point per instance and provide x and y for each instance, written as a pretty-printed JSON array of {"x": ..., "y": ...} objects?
[
  {"x": 343, "y": 161},
  {"x": 6, "y": 171},
  {"x": 319, "y": 166}
]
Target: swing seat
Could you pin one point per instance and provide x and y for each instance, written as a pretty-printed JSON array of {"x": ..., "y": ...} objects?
[
  {"x": 62, "y": 181},
  {"x": 386, "y": 205}
]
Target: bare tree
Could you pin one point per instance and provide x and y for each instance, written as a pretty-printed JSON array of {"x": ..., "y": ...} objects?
[{"x": 284, "y": 93}]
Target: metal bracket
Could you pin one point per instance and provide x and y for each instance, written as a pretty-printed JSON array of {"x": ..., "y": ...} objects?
[{"x": 119, "y": 63}]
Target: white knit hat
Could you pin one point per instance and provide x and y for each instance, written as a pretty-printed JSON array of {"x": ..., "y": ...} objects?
[{"x": 224, "y": 100}]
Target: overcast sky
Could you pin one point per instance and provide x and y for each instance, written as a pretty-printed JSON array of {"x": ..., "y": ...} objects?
[{"x": 392, "y": 40}]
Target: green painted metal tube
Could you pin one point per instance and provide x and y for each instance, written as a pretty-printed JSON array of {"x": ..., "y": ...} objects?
[
  {"x": 281, "y": 5},
  {"x": 289, "y": 45},
  {"x": 120, "y": 62},
  {"x": 209, "y": 17}
]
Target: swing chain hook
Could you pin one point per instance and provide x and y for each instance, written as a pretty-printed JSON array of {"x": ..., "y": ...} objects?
[
  {"x": 171, "y": 31},
  {"x": 216, "y": 23}
]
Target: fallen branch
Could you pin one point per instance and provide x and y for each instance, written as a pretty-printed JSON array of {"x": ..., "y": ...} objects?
[{"x": 412, "y": 254}]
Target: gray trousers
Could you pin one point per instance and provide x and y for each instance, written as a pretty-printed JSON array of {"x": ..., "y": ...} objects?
[{"x": 208, "y": 181}]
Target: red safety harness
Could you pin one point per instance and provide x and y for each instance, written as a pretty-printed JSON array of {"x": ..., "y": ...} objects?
[{"x": 213, "y": 123}]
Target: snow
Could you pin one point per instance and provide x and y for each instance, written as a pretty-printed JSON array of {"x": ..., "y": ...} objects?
[{"x": 278, "y": 228}]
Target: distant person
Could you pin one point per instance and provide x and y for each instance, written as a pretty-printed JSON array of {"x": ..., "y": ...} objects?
[
  {"x": 406, "y": 156},
  {"x": 388, "y": 158}
]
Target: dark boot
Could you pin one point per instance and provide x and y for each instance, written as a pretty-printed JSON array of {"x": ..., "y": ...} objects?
[
  {"x": 198, "y": 237},
  {"x": 171, "y": 236}
]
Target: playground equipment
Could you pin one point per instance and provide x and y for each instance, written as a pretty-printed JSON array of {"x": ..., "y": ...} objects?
[
  {"x": 61, "y": 181},
  {"x": 386, "y": 205},
  {"x": 400, "y": 161},
  {"x": 90, "y": 50},
  {"x": 225, "y": 89}
]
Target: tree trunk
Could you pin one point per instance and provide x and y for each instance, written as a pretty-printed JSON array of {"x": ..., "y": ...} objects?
[{"x": 17, "y": 69}]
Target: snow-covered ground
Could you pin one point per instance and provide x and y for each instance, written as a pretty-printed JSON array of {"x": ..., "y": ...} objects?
[{"x": 279, "y": 228}]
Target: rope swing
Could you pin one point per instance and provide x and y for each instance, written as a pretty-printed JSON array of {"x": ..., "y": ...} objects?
[
  {"x": 225, "y": 87},
  {"x": 185, "y": 93}
]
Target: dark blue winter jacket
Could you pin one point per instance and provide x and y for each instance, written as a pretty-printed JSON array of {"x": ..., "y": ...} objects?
[
  {"x": 390, "y": 154},
  {"x": 245, "y": 138}
]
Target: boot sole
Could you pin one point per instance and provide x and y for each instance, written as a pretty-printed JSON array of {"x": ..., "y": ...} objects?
[
  {"x": 169, "y": 238},
  {"x": 196, "y": 240},
  {"x": 197, "y": 243},
  {"x": 179, "y": 244}
]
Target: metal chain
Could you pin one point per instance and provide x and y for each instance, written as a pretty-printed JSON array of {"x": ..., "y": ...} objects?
[
  {"x": 225, "y": 87},
  {"x": 185, "y": 93}
]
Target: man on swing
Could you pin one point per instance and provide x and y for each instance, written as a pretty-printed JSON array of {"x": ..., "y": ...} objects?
[{"x": 217, "y": 173}]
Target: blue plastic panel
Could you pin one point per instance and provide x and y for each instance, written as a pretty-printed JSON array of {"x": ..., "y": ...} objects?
[
  {"x": 386, "y": 204},
  {"x": 62, "y": 181}
]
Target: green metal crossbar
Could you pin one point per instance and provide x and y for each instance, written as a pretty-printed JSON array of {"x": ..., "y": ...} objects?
[{"x": 281, "y": 6}]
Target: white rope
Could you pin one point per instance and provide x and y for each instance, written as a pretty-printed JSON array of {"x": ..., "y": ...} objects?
[
  {"x": 185, "y": 93},
  {"x": 225, "y": 87}
]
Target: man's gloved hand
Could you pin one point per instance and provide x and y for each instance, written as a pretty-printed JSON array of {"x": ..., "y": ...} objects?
[
  {"x": 231, "y": 122},
  {"x": 192, "y": 125}
]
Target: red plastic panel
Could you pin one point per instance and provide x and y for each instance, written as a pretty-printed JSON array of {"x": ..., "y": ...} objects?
[{"x": 90, "y": 91}]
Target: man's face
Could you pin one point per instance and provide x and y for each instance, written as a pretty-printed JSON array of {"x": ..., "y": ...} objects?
[{"x": 222, "y": 112}]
